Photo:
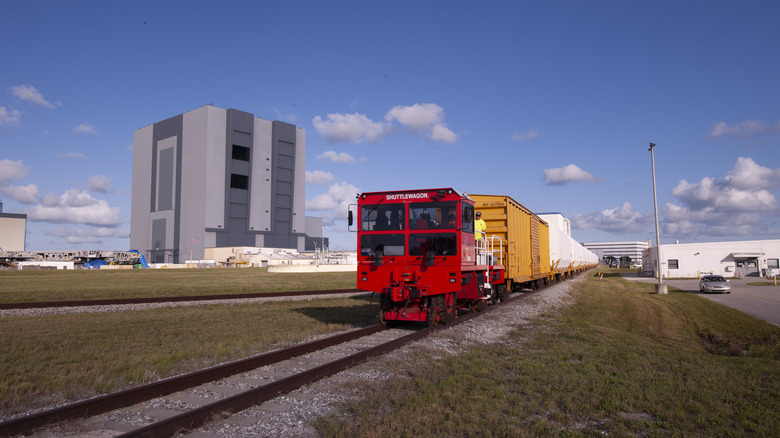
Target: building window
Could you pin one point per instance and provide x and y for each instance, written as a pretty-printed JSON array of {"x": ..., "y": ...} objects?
[
  {"x": 773, "y": 263},
  {"x": 240, "y": 182},
  {"x": 673, "y": 264},
  {"x": 240, "y": 153}
]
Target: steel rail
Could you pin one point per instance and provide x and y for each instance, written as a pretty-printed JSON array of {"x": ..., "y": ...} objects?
[
  {"x": 187, "y": 421},
  {"x": 149, "y": 300},
  {"x": 195, "y": 418},
  {"x": 98, "y": 405}
]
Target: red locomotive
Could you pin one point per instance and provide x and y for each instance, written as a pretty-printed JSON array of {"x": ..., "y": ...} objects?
[{"x": 417, "y": 249}]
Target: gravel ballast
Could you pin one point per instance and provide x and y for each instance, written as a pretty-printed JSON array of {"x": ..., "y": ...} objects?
[{"x": 292, "y": 415}]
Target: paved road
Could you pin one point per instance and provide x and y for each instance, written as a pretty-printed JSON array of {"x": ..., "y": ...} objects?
[{"x": 760, "y": 301}]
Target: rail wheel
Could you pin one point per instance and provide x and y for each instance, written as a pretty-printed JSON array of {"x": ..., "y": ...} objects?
[
  {"x": 433, "y": 318},
  {"x": 478, "y": 305},
  {"x": 451, "y": 310},
  {"x": 385, "y": 303},
  {"x": 437, "y": 309},
  {"x": 501, "y": 292}
]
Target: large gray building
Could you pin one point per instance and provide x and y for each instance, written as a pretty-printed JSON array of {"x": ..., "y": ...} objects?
[
  {"x": 13, "y": 231},
  {"x": 216, "y": 178}
]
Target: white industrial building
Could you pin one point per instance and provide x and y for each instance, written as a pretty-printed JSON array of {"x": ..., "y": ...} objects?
[
  {"x": 752, "y": 258},
  {"x": 213, "y": 178},
  {"x": 633, "y": 250}
]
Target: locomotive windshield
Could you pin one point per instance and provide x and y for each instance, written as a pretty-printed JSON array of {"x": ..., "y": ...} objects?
[
  {"x": 433, "y": 216},
  {"x": 382, "y": 217},
  {"x": 425, "y": 222}
]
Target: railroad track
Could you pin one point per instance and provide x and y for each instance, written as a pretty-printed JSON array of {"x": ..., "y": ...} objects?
[
  {"x": 150, "y": 300},
  {"x": 284, "y": 370}
]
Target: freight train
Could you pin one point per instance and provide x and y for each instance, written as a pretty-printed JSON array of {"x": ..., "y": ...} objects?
[{"x": 418, "y": 249}]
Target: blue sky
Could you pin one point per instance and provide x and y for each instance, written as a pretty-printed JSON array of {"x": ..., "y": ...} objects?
[{"x": 553, "y": 103}]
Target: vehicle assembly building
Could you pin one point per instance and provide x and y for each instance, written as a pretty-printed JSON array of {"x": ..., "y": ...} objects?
[
  {"x": 213, "y": 177},
  {"x": 13, "y": 229}
]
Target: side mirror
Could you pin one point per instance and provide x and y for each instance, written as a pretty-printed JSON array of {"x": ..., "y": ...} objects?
[
  {"x": 430, "y": 258},
  {"x": 349, "y": 218},
  {"x": 378, "y": 256}
]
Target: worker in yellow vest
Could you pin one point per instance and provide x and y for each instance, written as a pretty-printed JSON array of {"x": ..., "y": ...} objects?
[{"x": 479, "y": 226}]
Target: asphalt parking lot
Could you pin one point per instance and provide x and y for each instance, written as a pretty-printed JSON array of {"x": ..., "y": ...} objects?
[{"x": 760, "y": 301}]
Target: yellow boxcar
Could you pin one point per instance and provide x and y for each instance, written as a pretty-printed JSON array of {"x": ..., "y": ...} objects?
[{"x": 525, "y": 239}]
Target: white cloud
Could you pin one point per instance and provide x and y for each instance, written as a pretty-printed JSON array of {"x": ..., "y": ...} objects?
[
  {"x": 28, "y": 194},
  {"x": 75, "y": 207},
  {"x": 571, "y": 172},
  {"x": 737, "y": 205},
  {"x": 709, "y": 221},
  {"x": 358, "y": 128},
  {"x": 318, "y": 177},
  {"x": 712, "y": 193},
  {"x": 616, "y": 220},
  {"x": 353, "y": 128},
  {"x": 338, "y": 197},
  {"x": 85, "y": 129},
  {"x": 28, "y": 93},
  {"x": 9, "y": 117},
  {"x": 12, "y": 170},
  {"x": 336, "y": 157},
  {"x": 419, "y": 118},
  {"x": 745, "y": 188},
  {"x": 746, "y": 129},
  {"x": 94, "y": 235},
  {"x": 440, "y": 132},
  {"x": 99, "y": 183},
  {"x": 523, "y": 136},
  {"x": 747, "y": 174}
]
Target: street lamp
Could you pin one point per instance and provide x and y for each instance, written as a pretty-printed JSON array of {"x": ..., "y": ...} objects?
[
  {"x": 660, "y": 288},
  {"x": 323, "y": 242}
]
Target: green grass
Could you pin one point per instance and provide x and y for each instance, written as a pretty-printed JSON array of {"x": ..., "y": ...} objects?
[
  {"x": 45, "y": 359},
  {"x": 621, "y": 361},
  {"x": 762, "y": 283},
  {"x": 31, "y": 286}
]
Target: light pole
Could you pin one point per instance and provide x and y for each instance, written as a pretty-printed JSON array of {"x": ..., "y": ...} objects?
[
  {"x": 660, "y": 288},
  {"x": 323, "y": 242}
]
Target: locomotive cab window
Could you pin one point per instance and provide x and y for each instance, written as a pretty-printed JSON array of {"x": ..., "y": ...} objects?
[
  {"x": 388, "y": 244},
  {"x": 382, "y": 217},
  {"x": 468, "y": 218},
  {"x": 442, "y": 244},
  {"x": 433, "y": 216}
]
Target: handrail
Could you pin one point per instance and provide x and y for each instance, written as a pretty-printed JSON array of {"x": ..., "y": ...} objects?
[{"x": 486, "y": 249}]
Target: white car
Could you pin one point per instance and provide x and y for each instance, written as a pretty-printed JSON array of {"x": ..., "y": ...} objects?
[{"x": 714, "y": 283}]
